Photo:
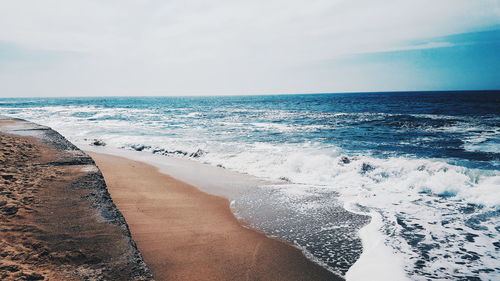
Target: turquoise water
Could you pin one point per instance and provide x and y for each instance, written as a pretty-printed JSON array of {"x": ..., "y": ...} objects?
[{"x": 428, "y": 162}]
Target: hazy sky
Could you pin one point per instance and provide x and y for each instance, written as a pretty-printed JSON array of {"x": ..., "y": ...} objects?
[{"x": 182, "y": 47}]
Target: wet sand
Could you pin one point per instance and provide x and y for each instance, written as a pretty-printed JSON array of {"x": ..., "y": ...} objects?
[{"x": 186, "y": 234}]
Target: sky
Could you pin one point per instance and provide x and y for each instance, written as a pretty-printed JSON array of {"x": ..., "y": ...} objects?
[{"x": 233, "y": 47}]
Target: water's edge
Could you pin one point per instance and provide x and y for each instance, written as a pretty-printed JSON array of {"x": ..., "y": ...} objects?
[{"x": 229, "y": 184}]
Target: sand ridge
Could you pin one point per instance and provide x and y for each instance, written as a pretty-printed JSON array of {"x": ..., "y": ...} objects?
[{"x": 56, "y": 220}]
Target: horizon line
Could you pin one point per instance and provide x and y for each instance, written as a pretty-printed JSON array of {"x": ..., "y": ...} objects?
[{"x": 256, "y": 95}]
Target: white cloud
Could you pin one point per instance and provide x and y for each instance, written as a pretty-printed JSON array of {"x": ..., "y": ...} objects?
[{"x": 218, "y": 46}]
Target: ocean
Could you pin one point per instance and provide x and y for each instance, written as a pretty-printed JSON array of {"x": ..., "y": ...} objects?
[{"x": 412, "y": 178}]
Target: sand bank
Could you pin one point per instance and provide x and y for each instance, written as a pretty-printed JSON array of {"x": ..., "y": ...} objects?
[
  {"x": 57, "y": 221},
  {"x": 185, "y": 234}
]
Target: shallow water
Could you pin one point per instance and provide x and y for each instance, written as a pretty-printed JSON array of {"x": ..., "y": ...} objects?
[{"x": 427, "y": 163}]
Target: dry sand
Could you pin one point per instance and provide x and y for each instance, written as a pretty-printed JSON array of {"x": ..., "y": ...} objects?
[
  {"x": 51, "y": 223},
  {"x": 185, "y": 234}
]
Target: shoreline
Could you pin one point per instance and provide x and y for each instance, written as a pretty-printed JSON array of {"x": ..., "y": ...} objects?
[
  {"x": 350, "y": 204},
  {"x": 184, "y": 233}
]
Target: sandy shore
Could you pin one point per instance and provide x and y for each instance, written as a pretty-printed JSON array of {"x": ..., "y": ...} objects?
[
  {"x": 57, "y": 221},
  {"x": 185, "y": 234}
]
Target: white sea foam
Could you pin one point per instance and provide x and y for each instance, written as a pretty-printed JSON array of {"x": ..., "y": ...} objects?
[{"x": 378, "y": 262}]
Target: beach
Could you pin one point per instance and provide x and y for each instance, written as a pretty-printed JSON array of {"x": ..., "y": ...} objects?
[
  {"x": 250, "y": 140},
  {"x": 355, "y": 187},
  {"x": 57, "y": 220},
  {"x": 60, "y": 223},
  {"x": 185, "y": 234}
]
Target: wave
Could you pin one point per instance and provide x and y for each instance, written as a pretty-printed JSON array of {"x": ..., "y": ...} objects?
[{"x": 429, "y": 208}]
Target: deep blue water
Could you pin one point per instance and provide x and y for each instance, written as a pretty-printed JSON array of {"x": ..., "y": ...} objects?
[{"x": 462, "y": 127}]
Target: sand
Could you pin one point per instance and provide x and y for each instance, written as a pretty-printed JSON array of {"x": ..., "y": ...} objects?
[
  {"x": 185, "y": 234},
  {"x": 51, "y": 213}
]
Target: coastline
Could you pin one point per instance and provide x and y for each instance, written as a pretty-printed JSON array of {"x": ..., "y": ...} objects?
[
  {"x": 71, "y": 225},
  {"x": 294, "y": 183},
  {"x": 186, "y": 234}
]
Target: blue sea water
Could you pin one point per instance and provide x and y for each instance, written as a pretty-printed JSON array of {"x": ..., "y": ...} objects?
[{"x": 427, "y": 162}]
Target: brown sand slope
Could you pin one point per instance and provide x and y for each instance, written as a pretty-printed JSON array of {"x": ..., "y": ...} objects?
[
  {"x": 185, "y": 234},
  {"x": 57, "y": 221}
]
